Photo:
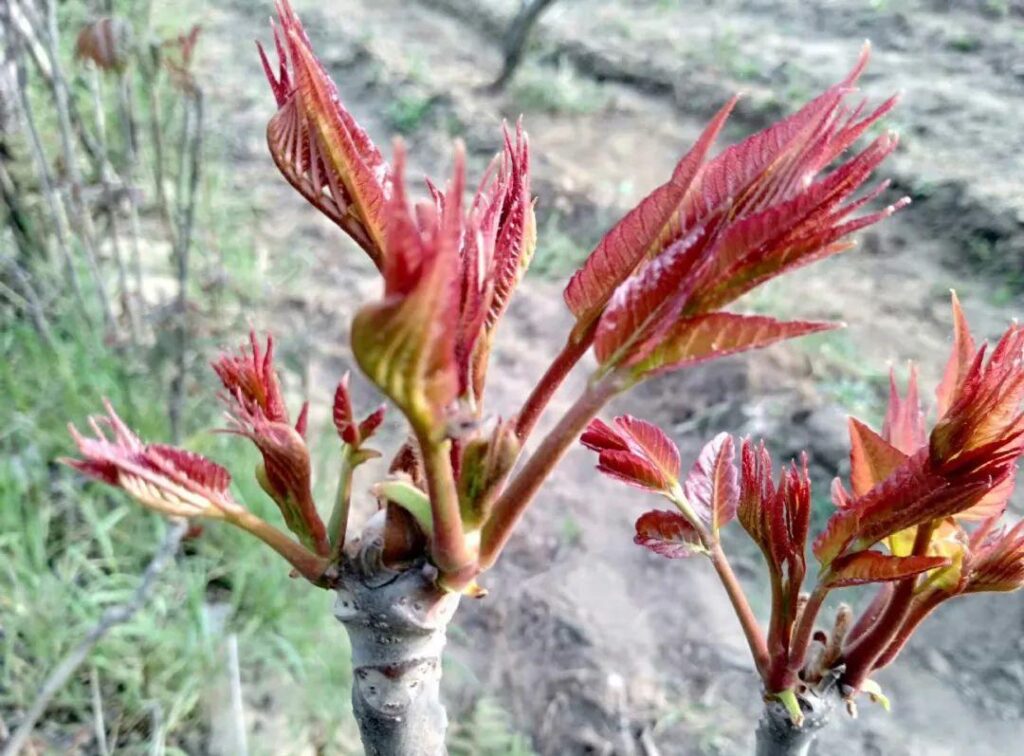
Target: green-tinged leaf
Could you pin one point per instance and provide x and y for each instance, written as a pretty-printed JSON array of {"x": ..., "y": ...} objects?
[
  {"x": 875, "y": 567},
  {"x": 406, "y": 343},
  {"x": 410, "y": 498},
  {"x": 706, "y": 337},
  {"x": 874, "y": 692},
  {"x": 485, "y": 462}
]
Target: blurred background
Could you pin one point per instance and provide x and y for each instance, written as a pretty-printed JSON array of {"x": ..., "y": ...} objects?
[{"x": 143, "y": 227}]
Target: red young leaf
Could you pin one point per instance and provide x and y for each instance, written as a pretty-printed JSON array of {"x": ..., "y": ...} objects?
[
  {"x": 841, "y": 498},
  {"x": 641, "y": 308},
  {"x": 872, "y": 458},
  {"x": 914, "y": 493},
  {"x": 635, "y": 452},
  {"x": 805, "y": 228},
  {"x": 984, "y": 415},
  {"x": 875, "y": 567},
  {"x": 997, "y": 562},
  {"x": 638, "y": 234},
  {"x": 172, "y": 481},
  {"x": 904, "y": 418},
  {"x": 776, "y": 517},
  {"x": 994, "y": 502},
  {"x": 344, "y": 421},
  {"x": 251, "y": 380},
  {"x": 516, "y": 227},
  {"x": 960, "y": 358},
  {"x": 351, "y": 432},
  {"x": 318, "y": 146},
  {"x": 372, "y": 422},
  {"x": 667, "y": 533},
  {"x": 706, "y": 337},
  {"x": 749, "y": 215},
  {"x": 712, "y": 485}
]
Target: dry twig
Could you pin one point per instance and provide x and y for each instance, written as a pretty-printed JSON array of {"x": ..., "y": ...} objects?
[{"x": 112, "y": 617}]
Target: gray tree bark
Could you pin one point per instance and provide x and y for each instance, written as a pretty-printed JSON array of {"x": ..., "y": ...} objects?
[
  {"x": 778, "y": 736},
  {"x": 397, "y": 624}
]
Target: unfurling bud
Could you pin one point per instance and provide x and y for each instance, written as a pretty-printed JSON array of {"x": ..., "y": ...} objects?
[
  {"x": 257, "y": 411},
  {"x": 349, "y": 430},
  {"x": 172, "y": 481}
]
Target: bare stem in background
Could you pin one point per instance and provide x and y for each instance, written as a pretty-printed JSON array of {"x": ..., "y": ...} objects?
[
  {"x": 54, "y": 200},
  {"x": 157, "y": 135},
  {"x": 99, "y": 722},
  {"x": 112, "y": 617},
  {"x": 516, "y": 36},
  {"x": 126, "y": 110},
  {"x": 27, "y": 25},
  {"x": 108, "y": 176},
  {"x": 83, "y": 219},
  {"x": 30, "y": 300},
  {"x": 192, "y": 143}
]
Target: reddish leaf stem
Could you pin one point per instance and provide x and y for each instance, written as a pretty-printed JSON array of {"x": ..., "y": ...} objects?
[
  {"x": 520, "y": 491},
  {"x": 306, "y": 563},
  {"x": 919, "y": 611},
  {"x": 860, "y": 658},
  {"x": 562, "y": 365},
  {"x": 751, "y": 628},
  {"x": 776, "y": 678}
]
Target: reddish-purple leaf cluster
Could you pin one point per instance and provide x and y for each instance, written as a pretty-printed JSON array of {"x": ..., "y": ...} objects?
[
  {"x": 318, "y": 146},
  {"x": 257, "y": 411},
  {"x": 449, "y": 272},
  {"x": 777, "y": 517},
  {"x": 172, "y": 481},
  {"x": 965, "y": 468},
  {"x": 650, "y": 292},
  {"x": 635, "y": 452},
  {"x": 640, "y": 454}
]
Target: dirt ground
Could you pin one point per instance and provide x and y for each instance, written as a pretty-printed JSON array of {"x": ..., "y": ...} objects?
[{"x": 593, "y": 645}]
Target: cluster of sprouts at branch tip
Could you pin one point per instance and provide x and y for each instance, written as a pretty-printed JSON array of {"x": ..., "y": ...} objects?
[
  {"x": 921, "y": 517},
  {"x": 648, "y": 300}
]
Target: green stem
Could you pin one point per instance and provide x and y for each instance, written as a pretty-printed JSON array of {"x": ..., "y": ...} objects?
[
  {"x": 449, "y": 550},
  {"x": 338, "y": 524}
]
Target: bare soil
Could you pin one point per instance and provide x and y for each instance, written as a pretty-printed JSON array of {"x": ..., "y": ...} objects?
[{"x": 592, "y": 644}]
